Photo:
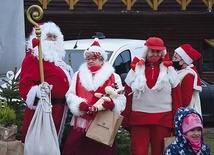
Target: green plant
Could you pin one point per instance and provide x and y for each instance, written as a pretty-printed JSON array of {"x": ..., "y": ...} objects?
[
  {"x": 10, "y": 94},
  {"x": 123, "y": 142},
  {"x": 10, "y": 91},
  {"x": 7, "y": 115}
]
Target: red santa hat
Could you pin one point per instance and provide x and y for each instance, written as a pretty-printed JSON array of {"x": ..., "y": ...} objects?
[
  {"x": 190, "y": 122},
  {"x": 96, "y": 48},
  {"x": 188, "y": 53}
]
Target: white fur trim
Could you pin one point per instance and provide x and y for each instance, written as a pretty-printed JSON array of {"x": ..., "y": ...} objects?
[
  {"x": 183, "y": 55},
  {"x": 173, "y": 77},
  {"x": 139, "y": 83},
  {"x": 188, "y": 70},
  {"x": 72, "y": 99},
  {"x": 31, "y": 97},
  {"x": 120, "y": 103},
  {"x": 47, "y": 27},
  {"x": 92, "y": 83}
]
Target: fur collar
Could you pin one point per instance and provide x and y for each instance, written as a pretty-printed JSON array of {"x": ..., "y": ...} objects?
[
  {"x": 92, "y": 83},
  {"x": 139, "y": 82}
]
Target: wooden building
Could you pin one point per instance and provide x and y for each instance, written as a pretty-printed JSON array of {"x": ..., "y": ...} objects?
[{"x": 175, "y": 21}]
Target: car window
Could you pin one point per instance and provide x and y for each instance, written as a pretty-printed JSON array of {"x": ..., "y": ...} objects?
[
  {"x": 122, "y": 64},
  {"x": 74, "y": 58}
]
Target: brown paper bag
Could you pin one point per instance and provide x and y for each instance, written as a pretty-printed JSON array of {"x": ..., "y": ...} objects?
[
  {"x": 168, "y": 141},
  {"x": 104, "y": 127}
]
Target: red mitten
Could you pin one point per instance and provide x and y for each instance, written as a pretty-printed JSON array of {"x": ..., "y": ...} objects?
[
  {"x": 167, "y": 62},
  {"x": 83, "y": 106},
  {"x": 92, "y": 110},
  {"x": 108, "y": 105},
  {"x": 136, "y": 61},
  {"x": 35, "y": 42}
]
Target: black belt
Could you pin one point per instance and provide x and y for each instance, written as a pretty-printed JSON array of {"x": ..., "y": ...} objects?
[{"x": 58, "y": 101}]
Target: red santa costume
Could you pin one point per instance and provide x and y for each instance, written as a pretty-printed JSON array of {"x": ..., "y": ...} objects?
[
  {"x": 85, "y": 83},
  {"x": 56, "y": 73},
  {"x": 153, "y": 97},
  {"x": 189, "y": 77}
]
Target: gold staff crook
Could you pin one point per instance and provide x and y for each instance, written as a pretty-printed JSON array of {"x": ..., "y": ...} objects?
[{"x": 36, "y": 13}]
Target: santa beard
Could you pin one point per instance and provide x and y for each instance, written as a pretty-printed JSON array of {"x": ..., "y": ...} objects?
[{"x": 52, "y": 51}]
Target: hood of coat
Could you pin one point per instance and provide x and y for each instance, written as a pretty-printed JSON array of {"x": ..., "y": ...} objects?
[{"x": 178, "y": 120}]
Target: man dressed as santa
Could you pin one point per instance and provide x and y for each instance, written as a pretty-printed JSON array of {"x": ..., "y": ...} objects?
[
  {"x": 56, "y": 73},
  {"x": 92, "y": 77}
]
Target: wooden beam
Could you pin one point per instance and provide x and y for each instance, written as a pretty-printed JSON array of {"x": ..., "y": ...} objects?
[
  {"x": 44, "y": 3},
  {"x": 210, "y": 42},
  {"x": 71, "y": 3},
  {"x": 100, "y": 3},
  {"x": 209, "y": 4},
  {"x": 183, "y": 3},
  {"x": 155, "y": 4},
  {"x": 129, "y": 3}
]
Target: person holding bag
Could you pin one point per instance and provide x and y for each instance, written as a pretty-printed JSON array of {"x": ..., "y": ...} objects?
[{"x": 92, "y": 77}]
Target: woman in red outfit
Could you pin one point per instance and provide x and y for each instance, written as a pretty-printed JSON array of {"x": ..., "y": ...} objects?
[
  {"x": 56, "y": 73},
  {"x": 93, "y": 76},
  {"x": 183, "y": 59},
  {"x": 153, "y": 97}
]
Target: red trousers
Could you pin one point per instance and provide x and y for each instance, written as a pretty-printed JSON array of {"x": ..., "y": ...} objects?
[
  {"x": 78, "y": 144},
  {"x": 143, "y": 135},
  {"x": 57, "y": 114}
]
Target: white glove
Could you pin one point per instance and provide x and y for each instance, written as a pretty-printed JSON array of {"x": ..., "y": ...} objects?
[{"x": 44, "y": 90}]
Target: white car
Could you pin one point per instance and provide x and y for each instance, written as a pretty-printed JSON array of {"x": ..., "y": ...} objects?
[{"x": 120, "y": 52}]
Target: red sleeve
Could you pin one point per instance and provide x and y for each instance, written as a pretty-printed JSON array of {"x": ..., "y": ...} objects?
[
  {"x": 187, "y": 89},
  {"x": 126, "y": 113},
  {"x": 176, "y": 99},
  {"x": 29, "y": 75}
]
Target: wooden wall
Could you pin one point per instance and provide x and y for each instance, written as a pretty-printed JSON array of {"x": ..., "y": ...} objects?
[{"x": 174, "y": 26}]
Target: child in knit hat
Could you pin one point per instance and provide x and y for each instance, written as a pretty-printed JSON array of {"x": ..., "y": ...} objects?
[{"x": 188, "y": 133}]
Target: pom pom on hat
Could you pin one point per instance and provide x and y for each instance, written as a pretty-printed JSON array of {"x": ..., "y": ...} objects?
[
  {"x": 96, "y": 48},
  {"x": 166, "y": 61},
  {"x": 155, "y": 43},
  {"x": 190, "y": 122},
  {"x": 188, "y": 53}
]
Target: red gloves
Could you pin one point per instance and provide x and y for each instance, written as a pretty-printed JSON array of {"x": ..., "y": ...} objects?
[
  {"x": 108, "y": 105},
  {"x": 90, "y": 109},
  {"x": 84, "y": 106}
]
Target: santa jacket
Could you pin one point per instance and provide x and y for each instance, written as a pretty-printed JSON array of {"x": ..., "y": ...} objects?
[
  {"x": 53, "y": 75},
  {"x": 84, "y": 85},
  {"x": 191, "y": 86},
  {"x": 153, "y": 96}
]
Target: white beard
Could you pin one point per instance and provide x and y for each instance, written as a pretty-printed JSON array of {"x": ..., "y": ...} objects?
[{"x": 52, "y": 51}]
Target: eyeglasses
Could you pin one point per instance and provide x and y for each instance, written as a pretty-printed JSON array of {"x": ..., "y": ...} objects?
[{"x": 90, "y": 58}]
